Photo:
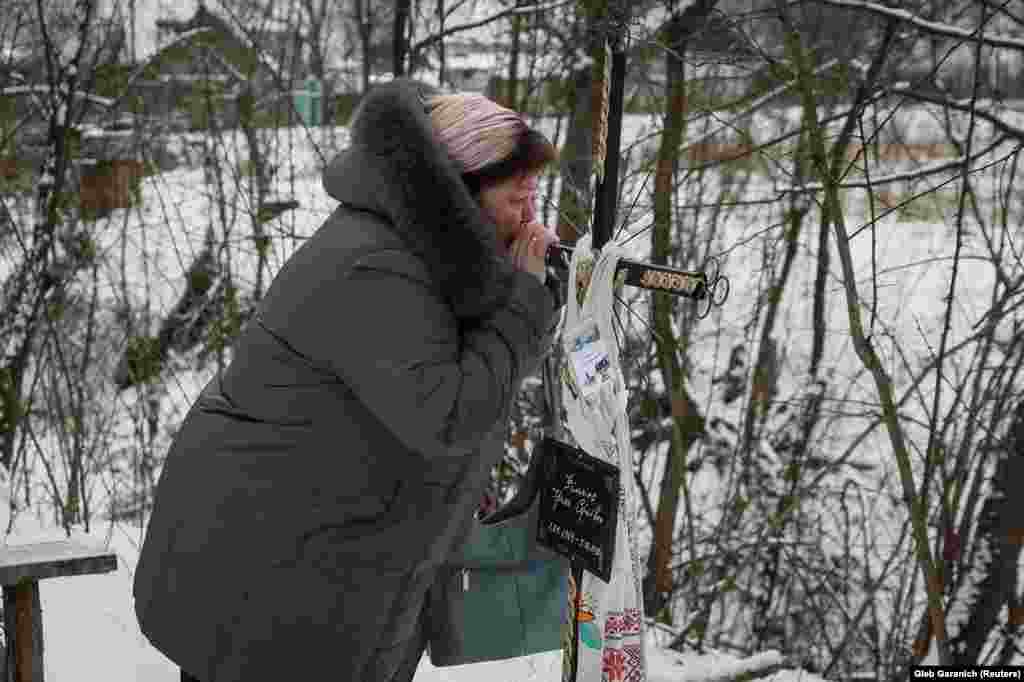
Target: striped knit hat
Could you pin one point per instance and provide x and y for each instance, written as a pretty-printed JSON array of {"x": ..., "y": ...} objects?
[{"x": 487, "y": 141}]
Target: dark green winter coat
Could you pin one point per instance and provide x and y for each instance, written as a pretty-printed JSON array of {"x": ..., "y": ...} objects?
[{"x": 319, "y": 483}]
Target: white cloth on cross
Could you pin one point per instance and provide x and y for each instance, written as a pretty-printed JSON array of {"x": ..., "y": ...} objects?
[{"x": 611, "y": 632}]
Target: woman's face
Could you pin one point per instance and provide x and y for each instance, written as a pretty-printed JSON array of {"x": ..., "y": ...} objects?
[{"x": 510, "y": 204}]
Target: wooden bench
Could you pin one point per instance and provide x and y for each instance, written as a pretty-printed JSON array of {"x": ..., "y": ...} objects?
[{"x": 21, "y": 569}]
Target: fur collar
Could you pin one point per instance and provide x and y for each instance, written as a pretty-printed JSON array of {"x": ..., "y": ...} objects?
[{"x": 396, "y": 167}]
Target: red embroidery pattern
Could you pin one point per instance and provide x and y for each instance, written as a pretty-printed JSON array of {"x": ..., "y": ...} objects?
[
  {"x": 614, "y": 625},
  {"x": 633, "y": 670},
  {"x": 618, "y": 624},
  {"x": 614, "y": 665},
  {"x": 631, "y": 622},
  {"x": 621, "y": 662}
]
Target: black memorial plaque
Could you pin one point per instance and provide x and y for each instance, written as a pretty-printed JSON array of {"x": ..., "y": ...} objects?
[{"x": 579, "y": 507}]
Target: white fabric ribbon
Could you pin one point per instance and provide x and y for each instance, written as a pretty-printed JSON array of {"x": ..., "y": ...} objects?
[{"x": 611, "y": 633}]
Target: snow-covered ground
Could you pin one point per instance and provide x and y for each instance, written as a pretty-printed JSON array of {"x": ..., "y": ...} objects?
[
  {"x": 90, "y": 631},
  {"x": 90, "y": 628}
]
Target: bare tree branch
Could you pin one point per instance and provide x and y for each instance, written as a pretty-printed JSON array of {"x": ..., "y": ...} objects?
[
  {"x": 1000, "y": 9},
  {"x": 458, "y": 28},
  {"x": 932, "y": 27},
  {"x": 862, "y": 344},
  {"x": 755, "y": 105},
  {"x": 916, "y": 174},
  {"x": 42, "y": 88},
  {"x": 962, "y": 106}
]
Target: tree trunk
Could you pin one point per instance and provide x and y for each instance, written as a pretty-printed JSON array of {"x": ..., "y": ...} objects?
[
  {"x": 687, "y": 420},
  {"x": 512, "y": 86},
  {"x": 400, "y": 46},
  {"x": 132, "y": 49},
  {"x": 318, "y": 36},
  {"x": 575, "y": 198},
  {"x": 441, "y": 75},
  {"x": 820, "y": 297},
  {"x": 317, "y": 69},
  {"x": 574, "y": 201},
  {"x": 765, "y": 372},
  {"x": 364, "y": 23},
  {"x": 259, "y": 183},
  {"x": 989, "y": 578}
]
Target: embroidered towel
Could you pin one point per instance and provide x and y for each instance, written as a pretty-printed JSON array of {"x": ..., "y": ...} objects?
[{"x": 611, "y": 631}]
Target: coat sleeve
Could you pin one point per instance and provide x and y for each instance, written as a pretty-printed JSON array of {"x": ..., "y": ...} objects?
[{"x": 439, "y": 386}]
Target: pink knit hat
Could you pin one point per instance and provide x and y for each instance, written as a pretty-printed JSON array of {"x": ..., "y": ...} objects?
[
  {"x": 486, "y": 140},
  {"x": 476, "y": 131}
]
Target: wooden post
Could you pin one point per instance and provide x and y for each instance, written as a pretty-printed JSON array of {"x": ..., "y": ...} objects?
[
  {"x": 8, "y": 670},
  {"x": 23, "y": 623},
  {"x": 607, "y": 193},
  {"x": 28, "y": 628},
  {"x": 607, "y": 189}
]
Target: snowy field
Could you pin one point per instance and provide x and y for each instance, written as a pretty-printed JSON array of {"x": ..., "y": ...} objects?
[
  {"x": 90, "y": 628},
  {"x": 90, "y": 632}
]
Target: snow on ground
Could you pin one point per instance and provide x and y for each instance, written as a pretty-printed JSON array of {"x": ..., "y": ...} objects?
[
  {"x": 90, "y": 630},
  {"x": 91, "y": 633},
  {"x": 90, "y": 627}
]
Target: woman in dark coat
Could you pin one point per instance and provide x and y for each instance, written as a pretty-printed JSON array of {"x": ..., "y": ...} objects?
[{"x": 319, "y": 483}]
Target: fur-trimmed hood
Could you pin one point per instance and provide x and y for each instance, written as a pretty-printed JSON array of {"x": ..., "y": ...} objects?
[{"x": 396, "y": 167}]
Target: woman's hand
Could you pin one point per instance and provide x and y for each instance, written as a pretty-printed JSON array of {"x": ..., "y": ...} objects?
[{"x": 530, "y": 248}]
